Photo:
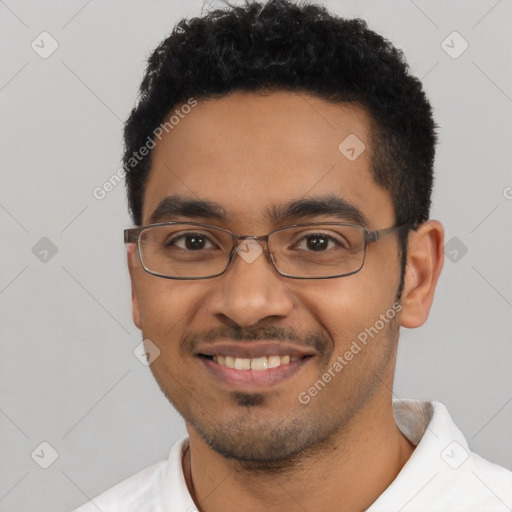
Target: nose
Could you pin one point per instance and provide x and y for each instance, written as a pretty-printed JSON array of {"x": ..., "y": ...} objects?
[{"x": 251, "y": 289}]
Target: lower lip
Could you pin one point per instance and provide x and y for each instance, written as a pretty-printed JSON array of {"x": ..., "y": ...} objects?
[{"x": 249, "y": 379}]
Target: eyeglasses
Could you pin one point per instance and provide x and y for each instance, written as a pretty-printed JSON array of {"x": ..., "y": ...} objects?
[{"x": 190, "y": 250}]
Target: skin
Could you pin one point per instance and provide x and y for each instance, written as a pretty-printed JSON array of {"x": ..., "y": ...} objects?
[{"x": 341, "y": 450}]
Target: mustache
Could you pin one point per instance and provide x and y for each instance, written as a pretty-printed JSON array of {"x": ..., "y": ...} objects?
[{"x": 191, "y": 341}]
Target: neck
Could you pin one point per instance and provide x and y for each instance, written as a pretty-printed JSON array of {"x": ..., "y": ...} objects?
[{"x": 347, "y": 474}]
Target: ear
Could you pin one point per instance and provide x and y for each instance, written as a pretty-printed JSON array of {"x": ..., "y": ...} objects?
[
  {"x": 133, "y": 267},
  {"x": 425, "y": 258}
]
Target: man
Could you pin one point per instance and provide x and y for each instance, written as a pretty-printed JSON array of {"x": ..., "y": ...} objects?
[{"x": 279, "y": 169}]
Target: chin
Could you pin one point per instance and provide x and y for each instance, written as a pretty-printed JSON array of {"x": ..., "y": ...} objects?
[{"x": 274, "y": 446}]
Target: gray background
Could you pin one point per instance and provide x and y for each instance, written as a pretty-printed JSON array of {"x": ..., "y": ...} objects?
[{"x": 68, "y": 375}]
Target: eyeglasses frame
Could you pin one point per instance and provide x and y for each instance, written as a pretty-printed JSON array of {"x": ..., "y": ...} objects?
[{"x": 132, "y": 236}]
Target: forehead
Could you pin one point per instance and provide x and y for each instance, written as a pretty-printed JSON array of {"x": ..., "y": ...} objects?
[{"x": 251, "y": 153}]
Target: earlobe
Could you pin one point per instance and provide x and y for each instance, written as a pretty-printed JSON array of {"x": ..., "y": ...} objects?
[
  {"x": 425, "y": 258},
  {"x": 132, "y": 262}
]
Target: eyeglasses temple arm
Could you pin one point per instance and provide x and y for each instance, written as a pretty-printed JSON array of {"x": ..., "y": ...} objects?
[
  {"x": 373, "y": 236},
  {"x": 131, "y": 235}
]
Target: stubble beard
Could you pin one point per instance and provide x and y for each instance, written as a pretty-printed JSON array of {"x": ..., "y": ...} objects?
[{"x": 280, "y": 445}]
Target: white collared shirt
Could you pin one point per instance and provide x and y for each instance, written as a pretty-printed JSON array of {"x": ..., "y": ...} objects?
[{"x": 442, "y": 475}]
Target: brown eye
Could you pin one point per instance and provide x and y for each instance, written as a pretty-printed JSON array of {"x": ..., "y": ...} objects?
[
  {"x": 317, "y": 242},
  {"x": 190, "y": 242}
]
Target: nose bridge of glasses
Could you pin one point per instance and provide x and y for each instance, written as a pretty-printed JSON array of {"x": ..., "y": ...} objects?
[
  {"x": 249, "y": 247},
  {"x": 238, "y": 239}
]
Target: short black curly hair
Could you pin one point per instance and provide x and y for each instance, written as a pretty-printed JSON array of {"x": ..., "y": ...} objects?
[{"x": 282, "y": 45}]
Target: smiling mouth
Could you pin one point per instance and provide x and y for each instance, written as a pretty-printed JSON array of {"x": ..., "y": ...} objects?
[
  {"x": 248, "y": 374},
  {"x": 263, "y": 363}
]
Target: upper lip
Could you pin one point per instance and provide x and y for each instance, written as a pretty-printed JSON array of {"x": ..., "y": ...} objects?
[{"x": 253, "y": 349}]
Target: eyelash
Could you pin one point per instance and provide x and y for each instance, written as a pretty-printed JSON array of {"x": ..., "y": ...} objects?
[{"x": 183, "y": 236}]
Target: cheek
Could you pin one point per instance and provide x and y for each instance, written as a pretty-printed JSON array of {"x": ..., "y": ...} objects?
[
  {"x": 167, "y": 306},
  {"x": 346, "y": 307}
]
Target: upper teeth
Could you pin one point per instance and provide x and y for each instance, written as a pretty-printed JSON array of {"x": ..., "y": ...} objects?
[{"x": 256, "y": 363}]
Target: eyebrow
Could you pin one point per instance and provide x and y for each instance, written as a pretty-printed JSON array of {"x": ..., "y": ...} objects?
[
  {"x": 175, "y": 206},
  {"x": 331, "y": 205},
  {"x": 178, "y": 206}
]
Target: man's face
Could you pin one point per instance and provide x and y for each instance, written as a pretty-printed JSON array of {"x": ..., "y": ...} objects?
[{"x": 248, "y": 153}]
